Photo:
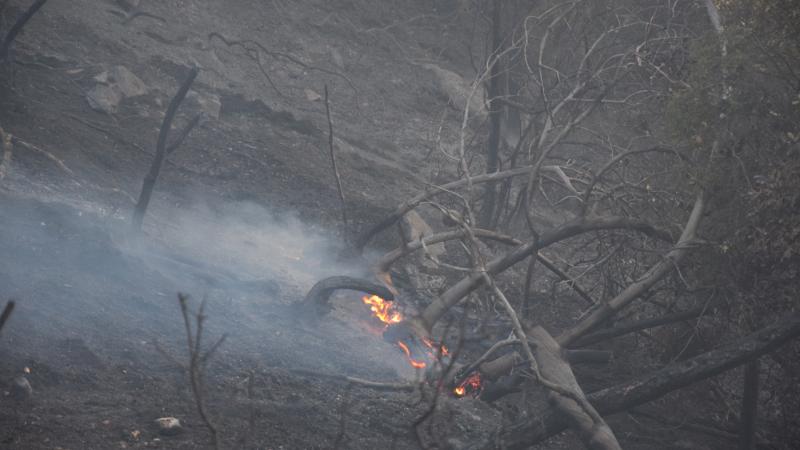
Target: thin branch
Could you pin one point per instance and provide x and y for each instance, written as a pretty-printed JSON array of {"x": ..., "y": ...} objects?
[{"x": 345, "y": 225}]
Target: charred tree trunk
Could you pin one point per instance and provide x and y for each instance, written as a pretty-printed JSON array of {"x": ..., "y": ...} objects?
[{"x": 161, "y": 151}]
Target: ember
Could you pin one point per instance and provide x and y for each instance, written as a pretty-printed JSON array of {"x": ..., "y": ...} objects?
[{"x": 471, "y": 386}]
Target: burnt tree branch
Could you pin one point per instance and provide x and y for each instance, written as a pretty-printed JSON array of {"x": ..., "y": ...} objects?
[
  {"x": 621, "y": 330},
  {"x": 570, "y": 229},
  {"x": 316, "y": 301},
  {"x": 17, "y": 28},
  {"x": 658, "y": 271},
  {"x": 161, "y": 151},
  {"x": 6, "y": 313}
]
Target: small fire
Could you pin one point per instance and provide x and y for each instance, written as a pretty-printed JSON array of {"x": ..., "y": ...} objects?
[
  {"x": 472, "y": 385},
  {"x": 414, "y": 363},
  {"x": 386, "y": 312},
  {"x": 383, "y": 309}
]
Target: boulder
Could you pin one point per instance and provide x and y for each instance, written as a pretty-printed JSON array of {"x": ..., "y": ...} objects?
[{"x": 113, "y": 86}]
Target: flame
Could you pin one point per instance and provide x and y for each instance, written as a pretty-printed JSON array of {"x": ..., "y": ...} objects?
[
  {"x": 383, "y": 309},
  {"x": 414, "y": 363},
  {"x": 386, "y": 312},
  {"x": 472, "y": 385}
]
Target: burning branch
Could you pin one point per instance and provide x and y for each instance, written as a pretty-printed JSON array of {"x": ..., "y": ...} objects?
[
  {"x": 316, "y": 300},
  {"x": 161, "y": 150}
]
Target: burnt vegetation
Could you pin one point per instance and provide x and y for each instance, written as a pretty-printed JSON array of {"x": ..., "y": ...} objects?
[{"x": 596, "y": 244}]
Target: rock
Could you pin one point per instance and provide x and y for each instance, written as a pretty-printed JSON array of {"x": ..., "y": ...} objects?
[
  {"x": 21, "y": 389},
  {"x": 203, "y": 102},
  {"x": 169, "y": 426},
  {"x": 128, "y": 84},
  {"x": 312, "y": 95},
  {"x": 104, "y": 99},
  {"x": 113, "y": 86}
]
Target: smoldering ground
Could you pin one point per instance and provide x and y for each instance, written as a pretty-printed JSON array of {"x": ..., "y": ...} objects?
[{"x": 81, "y": 278}]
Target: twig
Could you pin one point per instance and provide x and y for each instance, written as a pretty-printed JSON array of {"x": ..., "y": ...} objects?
[
  {"x": 345, "y": 225},
  {"x": 383, "y": 386},
  {"x": 197, "y": 361},
  {"x": 161, "y": 151},
  {"x": 17, "y": 27}
]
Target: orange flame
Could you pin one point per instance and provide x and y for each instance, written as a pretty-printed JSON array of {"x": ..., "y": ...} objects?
[
  {"x": 383, "y": 309},
  {"x": 386, "y": 312},
  {"x": 472, "y": 385},
  {"x": 414, "y": 363}
]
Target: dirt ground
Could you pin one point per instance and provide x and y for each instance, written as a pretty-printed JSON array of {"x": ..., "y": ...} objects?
[
  {"x": 241, "y": 217},
  {"x": 245, "y": 216}
]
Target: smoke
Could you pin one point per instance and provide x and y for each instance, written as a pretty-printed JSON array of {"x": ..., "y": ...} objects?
[{"x": 80, "y": 276}]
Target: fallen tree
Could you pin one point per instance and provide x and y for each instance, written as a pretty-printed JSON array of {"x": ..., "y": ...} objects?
[{"x": 649, "y": 387}]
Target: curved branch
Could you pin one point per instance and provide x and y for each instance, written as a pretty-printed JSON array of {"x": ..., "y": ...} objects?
[
  {"x": 317, "y": 298},
  {"x": 17, "y": 27}
]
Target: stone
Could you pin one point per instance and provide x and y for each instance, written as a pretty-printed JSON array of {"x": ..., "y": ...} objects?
[
  {"x": 104, "y": 99},
  {"x": 113, "y": 86},
  {"x": 169, "y": 426}
]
